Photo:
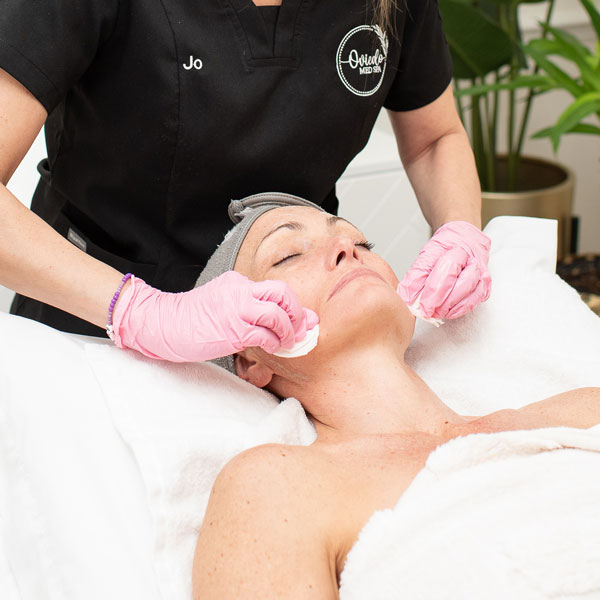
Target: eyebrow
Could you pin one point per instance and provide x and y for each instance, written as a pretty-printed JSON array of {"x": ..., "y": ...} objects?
[{"x": 295, "y": 226}]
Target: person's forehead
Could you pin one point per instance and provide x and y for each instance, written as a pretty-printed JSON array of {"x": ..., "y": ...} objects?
[
  {"x": 302, "y": 215},
  {"x": 266, "y": 223},
  {"x": 284, "y": 214}
]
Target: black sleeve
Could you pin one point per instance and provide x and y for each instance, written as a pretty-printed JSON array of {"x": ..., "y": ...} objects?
[
  {"x": 425, "y": 66},
  {"x": 47, "y": 45}
]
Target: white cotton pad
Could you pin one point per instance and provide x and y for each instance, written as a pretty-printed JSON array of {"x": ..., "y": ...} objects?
[
  {"x": 415, "y": 310},
  {"x": 303, "y": 347}
]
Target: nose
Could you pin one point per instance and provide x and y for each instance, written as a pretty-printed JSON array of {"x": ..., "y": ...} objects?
[{"x": 342, "y": 250}]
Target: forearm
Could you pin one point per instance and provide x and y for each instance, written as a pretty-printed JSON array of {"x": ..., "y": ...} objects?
[
  {"x": 445, "y": 181},
  {"x": 39, "y": 263}
]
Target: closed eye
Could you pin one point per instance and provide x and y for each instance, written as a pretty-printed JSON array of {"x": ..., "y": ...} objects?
[
  {"x": 365, "y": 244},
  {"x": 285, "y": 258}
]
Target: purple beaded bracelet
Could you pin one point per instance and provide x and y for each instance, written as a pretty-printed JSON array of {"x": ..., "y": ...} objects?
[{"x": 109, "y": 324}]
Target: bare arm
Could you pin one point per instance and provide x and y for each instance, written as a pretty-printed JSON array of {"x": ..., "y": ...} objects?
[
  {"x": 579, "y": 408},
  {"x": 261, "y": 537},
  {"x": 35, "y": 260},
  {"x": 576, "y": 408},
  {"x": 435, "y": 151}
]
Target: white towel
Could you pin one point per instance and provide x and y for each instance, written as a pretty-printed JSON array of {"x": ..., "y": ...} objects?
[
  {"x": 8, "y": 585},
  {"x": 508, "y": 515}
]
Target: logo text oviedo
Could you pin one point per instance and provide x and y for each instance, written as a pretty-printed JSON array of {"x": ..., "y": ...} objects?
[{"x": 361, "y": 59}]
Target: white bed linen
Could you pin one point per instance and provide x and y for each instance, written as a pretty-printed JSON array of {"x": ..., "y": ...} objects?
[
  {"x": 104, "y": 470},
  {"x": 8, "y": 584},
  {"x": 76, "y": 518}
]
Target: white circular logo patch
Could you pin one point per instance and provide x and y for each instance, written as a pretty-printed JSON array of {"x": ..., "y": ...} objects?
[{"x": 361, "y": 58}]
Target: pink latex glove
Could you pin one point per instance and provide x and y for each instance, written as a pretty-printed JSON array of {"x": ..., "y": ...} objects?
[
  {"x": 222, "y": 317},
  {"x": 451, "y": 271}
]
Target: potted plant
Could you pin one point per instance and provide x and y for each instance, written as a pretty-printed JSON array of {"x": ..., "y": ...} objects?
[
  {"x": 585, "y": 88},
  {"x": 485, "y": 40},
  {"x": 581, "y": 271}
]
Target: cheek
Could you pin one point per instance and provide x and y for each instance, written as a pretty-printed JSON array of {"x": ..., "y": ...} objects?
[
  {"x": 307, "y": 290},
  {"x": 383, "y": 268},
  {"x": 303, "y": 280}
]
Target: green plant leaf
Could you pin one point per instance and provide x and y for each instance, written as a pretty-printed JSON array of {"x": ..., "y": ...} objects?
[
  {"x": 569, "y": 47},
  {"x": 568, "y": 41},
  {"x": 523, "y": 81},
  {"x": 555, "y": 135},
  {"x": 537, "y": 50},
  {"x": 588, "y": 77},
  {"x": 595, "y": 58},
  {"x": 477, "y": 44},
  {"x": 579, "y": 128},
  {"x": 585, "y": 128},
  {"x": 542, "y": 133},
  {"x": 560, "y": 47},
  {"x": 582, "y": 107},
  {"x": 594, "y": 15}
]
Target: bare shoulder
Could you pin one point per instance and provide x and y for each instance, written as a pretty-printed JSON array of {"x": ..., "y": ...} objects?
[
  {"x": 271, "y": 473},
  {"x": 261, "y": 535},
  {"x": 259, "y": 461},
  {"x": 576, "y": 408}
]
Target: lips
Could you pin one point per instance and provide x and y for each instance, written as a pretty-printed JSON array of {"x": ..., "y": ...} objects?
[{"x": 350, "y": 276}]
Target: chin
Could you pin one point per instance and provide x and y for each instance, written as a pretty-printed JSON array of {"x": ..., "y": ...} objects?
[{"x": 366, "y": 310}]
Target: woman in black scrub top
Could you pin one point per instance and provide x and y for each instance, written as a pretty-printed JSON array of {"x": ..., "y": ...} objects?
[{"x": 157, "y": 113}]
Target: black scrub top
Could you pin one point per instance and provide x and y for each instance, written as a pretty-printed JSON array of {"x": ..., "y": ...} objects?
[{"x": 161, "y": 111}]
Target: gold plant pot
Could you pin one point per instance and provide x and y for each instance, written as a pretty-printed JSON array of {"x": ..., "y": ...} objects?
[{"x": 546, "y": 191}]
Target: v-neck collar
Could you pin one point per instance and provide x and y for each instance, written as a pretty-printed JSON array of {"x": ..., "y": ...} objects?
[
  {"x": 269, "y": 14},
  {"x": 260, "y": 40}
]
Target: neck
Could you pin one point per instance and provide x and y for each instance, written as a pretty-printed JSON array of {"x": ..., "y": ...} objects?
[{"x": 372, "y": 392}]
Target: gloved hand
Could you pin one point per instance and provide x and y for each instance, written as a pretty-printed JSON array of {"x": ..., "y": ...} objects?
[
  {"x": 451, "y": 271},
  {"x": 222, "y": 317}
]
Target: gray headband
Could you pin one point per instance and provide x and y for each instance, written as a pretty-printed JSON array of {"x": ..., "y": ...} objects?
[{"x": 243, "y": 213}]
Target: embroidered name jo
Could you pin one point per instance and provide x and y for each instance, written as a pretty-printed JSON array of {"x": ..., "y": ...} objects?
[{"x": 195, "y": 63}]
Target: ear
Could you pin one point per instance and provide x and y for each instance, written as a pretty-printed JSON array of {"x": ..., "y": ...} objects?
[{"x": 251, "y": 370}]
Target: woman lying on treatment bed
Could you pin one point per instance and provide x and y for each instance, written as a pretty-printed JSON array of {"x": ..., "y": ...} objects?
[{"x": 282, "y": 519}]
